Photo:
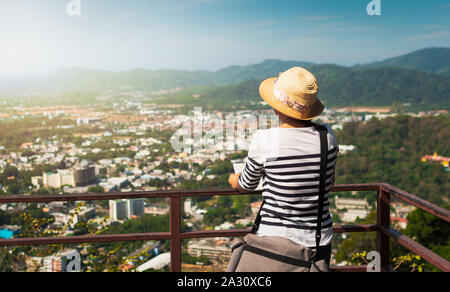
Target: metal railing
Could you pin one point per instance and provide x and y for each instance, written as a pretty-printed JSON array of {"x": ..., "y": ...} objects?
[{"x": 175, "y": 235}]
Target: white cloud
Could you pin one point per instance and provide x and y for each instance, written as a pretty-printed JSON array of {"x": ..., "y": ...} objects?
[{"x": 427, "y": 36}]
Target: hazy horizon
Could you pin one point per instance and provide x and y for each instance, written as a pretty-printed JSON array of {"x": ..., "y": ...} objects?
[{"x": 183, "y": 69}]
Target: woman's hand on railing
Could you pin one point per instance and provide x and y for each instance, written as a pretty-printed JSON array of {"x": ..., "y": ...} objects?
[{"x": 233, "y": 180}]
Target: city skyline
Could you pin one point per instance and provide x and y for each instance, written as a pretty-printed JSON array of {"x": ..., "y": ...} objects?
[{"x": 39, "y": 38}]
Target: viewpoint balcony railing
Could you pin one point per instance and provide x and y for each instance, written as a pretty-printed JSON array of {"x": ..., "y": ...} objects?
[{"x": 382, "y": 227}]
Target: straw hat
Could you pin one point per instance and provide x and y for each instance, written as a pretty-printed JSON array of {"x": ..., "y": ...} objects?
[{"x": 293, "y": 93}]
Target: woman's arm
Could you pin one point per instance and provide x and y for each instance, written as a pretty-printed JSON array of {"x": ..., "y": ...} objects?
[
  {"x": 250, "y": 177},
  {"x": 248, "y": 180}
]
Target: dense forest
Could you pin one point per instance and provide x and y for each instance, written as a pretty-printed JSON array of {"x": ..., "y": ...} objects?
[{"x": 390, "y": 151}]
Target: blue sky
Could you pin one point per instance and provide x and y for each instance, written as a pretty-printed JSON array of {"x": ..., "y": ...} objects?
[{"x": 37, "y": 36}]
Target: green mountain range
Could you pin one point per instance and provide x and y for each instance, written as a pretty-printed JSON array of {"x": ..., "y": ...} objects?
[
  {"x": 341, "y": 87},
  {"x": 88, "y": 80},
  {"x": 420, "y": 78},
  {"x": 434, "y": 60}
]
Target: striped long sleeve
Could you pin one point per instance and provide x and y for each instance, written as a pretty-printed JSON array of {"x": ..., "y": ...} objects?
[
  {"x": 254, "y": 166},
  {"x": 251, "y": 175}
]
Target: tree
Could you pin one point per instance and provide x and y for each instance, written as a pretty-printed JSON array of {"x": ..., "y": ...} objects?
[
  {"x": 222, "y": 167},
  {"x": 96, "y": 189},
  {"x": 241, "y": 203},
  {"x": 13, "y": 189},
  {"x": 10, "y": 171},
  {"x": 430, "y": 231}
]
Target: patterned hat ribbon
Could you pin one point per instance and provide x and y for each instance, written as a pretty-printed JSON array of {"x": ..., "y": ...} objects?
[{"x": 286, "y": 100}]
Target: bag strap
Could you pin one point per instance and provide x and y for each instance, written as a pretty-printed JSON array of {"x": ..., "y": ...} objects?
[
  {"x": 257, "y": 221},
  {"x": 323, "y": 173}
]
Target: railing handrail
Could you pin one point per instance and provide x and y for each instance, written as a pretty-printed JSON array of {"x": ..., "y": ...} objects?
[
  {"x": 437, "y": 211},
  {"x": 159, "y": 194},
  {"x": 383, "y": 229}
]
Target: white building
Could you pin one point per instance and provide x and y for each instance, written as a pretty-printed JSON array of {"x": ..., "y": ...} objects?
[
  {"x": 84, "y": 211},
  {"x": 224, "y": 226},
  {"x": 350, "y": 203},
  {"x": 36, "y": 181},
  {"x": 118, "y": 210},
  {"x": 188, "y": 207},
  {"x": 61, "y": 219},
  {"x": 86, "y": 121},
  {"x": 55, "y": 263},
  {"x": 152, "y": 210},
  {"x": 343, "y": 149},
  {"x": 114, "y": 183},
  {"x": 125, "y": 209},
  {"x": 353, "y": 208},
  {"x": 135, "y": 207},
  {"x": 352, "y": 215},
  {"x": 213, "y": 249},
  {"x": 72, "y": 177}
]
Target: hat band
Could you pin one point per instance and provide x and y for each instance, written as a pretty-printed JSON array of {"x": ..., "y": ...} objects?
[{"x": 286, "y": 100}]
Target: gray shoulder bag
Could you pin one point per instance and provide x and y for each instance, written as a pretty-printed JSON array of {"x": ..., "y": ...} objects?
[{"x": 278, "y": 254}]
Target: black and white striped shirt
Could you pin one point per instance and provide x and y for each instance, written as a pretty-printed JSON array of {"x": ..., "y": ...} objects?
[{"x": 288, "y": 161}]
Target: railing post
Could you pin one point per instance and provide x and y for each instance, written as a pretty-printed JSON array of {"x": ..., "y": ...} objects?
[
  {"x": 383, "y": 220},
  {"x": 175, "y": 234}
]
